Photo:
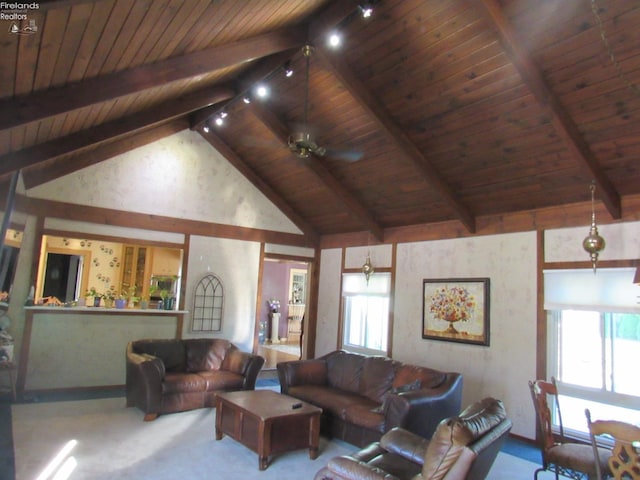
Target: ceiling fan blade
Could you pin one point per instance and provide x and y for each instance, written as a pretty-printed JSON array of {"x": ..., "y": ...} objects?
[{"x": 344, "y": 155}]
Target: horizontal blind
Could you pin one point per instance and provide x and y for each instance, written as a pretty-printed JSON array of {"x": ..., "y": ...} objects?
[{"x": 609, "y": 289}]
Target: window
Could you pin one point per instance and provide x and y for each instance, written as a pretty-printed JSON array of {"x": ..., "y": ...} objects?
[
  {"x": 208, "y": 301},
  {"x": 593, "y": 344},
  {"x": 365, "y": 314}
]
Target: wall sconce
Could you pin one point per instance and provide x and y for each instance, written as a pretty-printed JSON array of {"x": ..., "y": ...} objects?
[
  {"x": 367, "y": 268},
  {"x": 593, "y": 243}
]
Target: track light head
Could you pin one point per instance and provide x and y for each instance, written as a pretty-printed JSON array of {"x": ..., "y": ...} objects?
[
  {"x": 366, "y": 10},
  {"x": 288, "y": 71}
]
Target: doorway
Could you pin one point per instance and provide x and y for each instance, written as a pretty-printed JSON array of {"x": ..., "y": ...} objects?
[
  {"x": 62, "y": 277},
  {"x": 63, "y": 273},
  {"x": 284, "y": 302}
]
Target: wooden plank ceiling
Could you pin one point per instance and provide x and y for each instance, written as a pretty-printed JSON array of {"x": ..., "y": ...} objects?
[{"x": 459, "y": 108}]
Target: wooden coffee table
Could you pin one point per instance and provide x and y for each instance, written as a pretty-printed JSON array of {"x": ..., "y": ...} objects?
[{"x": 266, "y": 422}]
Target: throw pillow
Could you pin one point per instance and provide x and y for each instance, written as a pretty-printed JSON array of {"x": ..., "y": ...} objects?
[{"x": 409, "y": 387}]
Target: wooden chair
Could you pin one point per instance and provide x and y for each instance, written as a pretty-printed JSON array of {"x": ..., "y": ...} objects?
[
  {"x": 562, "y": 457},
  {"x": 624, "y": 459}
]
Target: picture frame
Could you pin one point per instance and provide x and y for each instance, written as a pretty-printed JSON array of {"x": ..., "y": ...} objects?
[{"x": 456, "y": 310}]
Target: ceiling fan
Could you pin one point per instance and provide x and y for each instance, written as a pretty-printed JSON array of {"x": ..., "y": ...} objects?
[{"x": 302, "y": 140}]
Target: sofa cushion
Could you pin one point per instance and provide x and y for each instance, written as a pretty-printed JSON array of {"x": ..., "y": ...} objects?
[
  {"x": 330, "y": 399},
  {"x": 236, "y": 361},
  {"x": 363, "y": 415},
  {"x": 454, "y": 434},
  {"x": 377, "y": 377},
  {"x": 205, "y": 353},
  {"x": 170, "y": 351},
  {"x": 428, "y": 377},
  {"x": 182, "y": 383},
  {"x": 216, "y": 380},
  {"x": 344, "y": 371}
]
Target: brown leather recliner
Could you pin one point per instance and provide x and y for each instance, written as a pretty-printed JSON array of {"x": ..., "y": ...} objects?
[
  {"x": 462, "y": 448},
  {"x": 174, "y": 375}
]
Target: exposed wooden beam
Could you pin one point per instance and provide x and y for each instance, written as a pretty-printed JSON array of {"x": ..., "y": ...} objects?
[
  {"x": 368, "y": 102},
  {"x": 334, "y": 14},
  {"x": 40, "y": 105},
  {"x": 47, "y": 171},
  {"x": 240, "y": 165},
  {"x": 120, "y": 218},
  {"x": 561, "y": 216},
  {"x": 95, "y": 136},
  {"x": 355, "y": 207},
  {"x": 561, "y": 120}
]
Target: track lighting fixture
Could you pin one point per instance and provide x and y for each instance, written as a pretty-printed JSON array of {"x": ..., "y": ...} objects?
[
  {"x": 288, "y": 71},
  {"x": 366, "y": 10},
  {"x": 262, "y": 91},
  {"x": 334, "y": 40}
]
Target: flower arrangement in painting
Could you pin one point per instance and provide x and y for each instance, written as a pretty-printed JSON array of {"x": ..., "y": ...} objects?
[
  {"x": 274, "y": 305},
  {"x": 452, "y": 304}
]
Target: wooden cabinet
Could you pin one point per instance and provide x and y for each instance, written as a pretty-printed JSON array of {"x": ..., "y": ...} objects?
[{"x": 136, "y": 263}]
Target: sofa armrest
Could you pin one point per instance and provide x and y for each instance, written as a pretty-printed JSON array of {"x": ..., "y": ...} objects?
[
  {"x": 405, "y": 444},
  {"x": 301, "y": 372},
  {"x": 251, "y": 373},
  {"x": 144, "y": 376},
  {"x": 420, "y": 411},
  {"x": 348, "y": 468}
]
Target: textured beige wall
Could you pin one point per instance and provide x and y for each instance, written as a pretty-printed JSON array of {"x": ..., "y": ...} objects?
[
  {"x": 236, "y": 264},
  {"x": 183, "y": 177},
  {"x": 622, "y": 242}
]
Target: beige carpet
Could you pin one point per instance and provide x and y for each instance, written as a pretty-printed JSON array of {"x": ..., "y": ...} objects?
[{"x": 113, "y": 442}]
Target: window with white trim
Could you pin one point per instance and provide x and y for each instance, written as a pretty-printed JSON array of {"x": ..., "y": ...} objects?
[
  {"x": 365, "y": 313},
  {"x": 593, "y": 344}
]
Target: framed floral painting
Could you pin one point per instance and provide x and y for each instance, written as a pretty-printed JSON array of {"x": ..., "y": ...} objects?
[{"x": 456, "y": 310}]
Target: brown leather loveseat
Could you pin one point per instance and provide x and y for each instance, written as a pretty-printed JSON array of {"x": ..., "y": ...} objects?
[
  {"x": 363, "y": 397},
  {"x": 463, "y": 447},
  {"x": 173, "y": 375}
]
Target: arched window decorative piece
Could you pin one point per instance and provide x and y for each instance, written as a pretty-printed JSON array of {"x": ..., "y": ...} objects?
[{"x": 208, "y": 301}]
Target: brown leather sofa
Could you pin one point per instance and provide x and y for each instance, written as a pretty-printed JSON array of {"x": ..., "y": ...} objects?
[
  {"x": 462, "y": 448},
  {"x": 363, "y": 397},
  {"x": 165, "y": 376}
]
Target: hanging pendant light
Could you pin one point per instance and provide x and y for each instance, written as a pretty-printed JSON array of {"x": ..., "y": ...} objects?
[
  {"x": 593, "y": 243},
  {"x": 367, "y": 268}
]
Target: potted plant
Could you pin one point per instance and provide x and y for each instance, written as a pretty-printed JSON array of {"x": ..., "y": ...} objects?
[
  {"x": 92, "y": 293},
  {"x": 144, "y": 302},
  {"x": 167, "y": 299},
  {"x": 108, "y": 297},
  {"x": 121, "y": 301},
  {"x": 130, "y": 296}
]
